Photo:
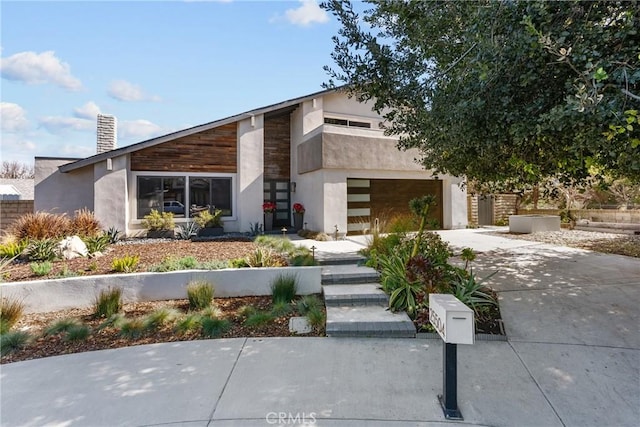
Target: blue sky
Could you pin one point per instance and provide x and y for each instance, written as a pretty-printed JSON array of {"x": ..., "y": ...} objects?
[{"x": 157, "y": 66}]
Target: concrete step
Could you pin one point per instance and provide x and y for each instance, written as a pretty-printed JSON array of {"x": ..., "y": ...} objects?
[
  {"x": 350, "y": 295},
  {"x": 368, "y": 321},
  {"x": 340, "y": 259},
  {"x": 348, "y": 274}
]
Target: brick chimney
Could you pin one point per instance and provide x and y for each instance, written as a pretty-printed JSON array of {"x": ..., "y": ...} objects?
[{"x": 106, "y": 133}]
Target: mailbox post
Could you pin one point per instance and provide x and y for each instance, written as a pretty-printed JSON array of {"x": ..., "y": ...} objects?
[{"x": 455, "y": 324}]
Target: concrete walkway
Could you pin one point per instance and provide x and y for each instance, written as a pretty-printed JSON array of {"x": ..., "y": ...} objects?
[{"x": 572, "y": 359}]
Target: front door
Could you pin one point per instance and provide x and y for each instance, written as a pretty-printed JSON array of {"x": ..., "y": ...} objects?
[{"x": 278, "y": 191}]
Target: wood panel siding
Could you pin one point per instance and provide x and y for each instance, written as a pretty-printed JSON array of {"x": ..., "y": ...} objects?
[
  {"x": 214, "y": 150},
  {"x": 387, "y": 198},
  {"x": 277, "y": 147}
]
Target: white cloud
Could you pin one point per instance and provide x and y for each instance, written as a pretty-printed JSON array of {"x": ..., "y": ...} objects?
[
  {"x": 88, "y": 111},
  {"x": 76, "y": 150},
  {"x": 122, "y": 90},
  {"x": 138, "y": 129},
  {"x": 39, "y": 68},
  {"x": 57, "y": 124},
  {"x": 308, "y": 13},
  {"x": 13, "y": 118}
]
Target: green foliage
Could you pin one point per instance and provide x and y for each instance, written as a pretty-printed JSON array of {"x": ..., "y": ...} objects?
[
  {"x": 316, "y": 317},
  {"x": 284, "y": 288},
  {"x": 125, "y": 264},
  {"x": 213, "y": 265},
  {"x": 246, "y": 311},
  {"x": 468, "y": 256},
  {"x": 259, "y": 318},
  {"x": 470, "y": 291},
  {"x": 41, "y": 268},
  {"x": 132, "y": 328},
  {"x": 12, "y": 341},
  {"x": 275, "y": 243},
  {"x": 157, "y": 221},
  {"x": 499, "y": 91},
  {"x": 41, "y": 225},
  {"x": 263, "y": 257},
  {"x": 77, "y": 333},
  {"x": 206, "y": 219},
  {"x": 13, "y": 249},
  {"x": 85, "y": 224},
  {"x": 281, "y": 308},
  {"x": 200, "y": 295},
  {"x": 97, "y": 243},
  {"x": 188, "y": 323},
  {"x": 213, "y": 327},
  {"x": 108, "y": 302},
  {"x": 238, "y": 263},
  {"x": 308, "y": 303},
  {"x": 66, "y": 272},
  {"x": 160, "y": 317},
  {"x": 255, "y": 229},
  {"x": 420, "y": 207},
  {"x": 61, "y": 326},
  {"x": 113, "y": 234},
  {"x": 186, "y": 231},
  {"x": 42, "y": 250},
  {"x": 10, "y": 312}
]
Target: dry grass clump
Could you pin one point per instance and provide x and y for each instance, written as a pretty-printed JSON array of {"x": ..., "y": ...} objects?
[
  {"x": 85, "y": 224},
  {"x": 41, "y": 225}
]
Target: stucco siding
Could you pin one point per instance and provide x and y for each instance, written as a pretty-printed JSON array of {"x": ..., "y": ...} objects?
[
  {"x": 111, "y": 203},
  {"x": 62, "y": 192},
  {"x": 250, "y": 174}
]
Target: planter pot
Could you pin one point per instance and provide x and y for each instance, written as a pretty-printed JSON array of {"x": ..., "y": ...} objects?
[
  {"x": 298, "y": 221},
  {"x": 160, "y": 234},
  {"x": 268, "y": 221},
  {"x": 210, "y": 232}
]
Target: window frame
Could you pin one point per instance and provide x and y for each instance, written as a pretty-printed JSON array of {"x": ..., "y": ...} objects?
[
  {"x": 187, "y": 195},
  {"x": 359, "y": 121}
]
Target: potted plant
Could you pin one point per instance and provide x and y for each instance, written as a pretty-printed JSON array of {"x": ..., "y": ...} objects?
[
  {"x": 268, "y": 208},
  {"x": 210, "y": 223},
  {"x": 159, "y": 224},
  {"x": 298, "y": 216}
]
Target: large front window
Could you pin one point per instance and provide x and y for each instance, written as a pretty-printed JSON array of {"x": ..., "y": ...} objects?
[{"x": 170, "y": 194}]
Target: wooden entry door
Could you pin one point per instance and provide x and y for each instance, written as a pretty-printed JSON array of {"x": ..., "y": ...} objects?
[{"x": 279, "y": 192}]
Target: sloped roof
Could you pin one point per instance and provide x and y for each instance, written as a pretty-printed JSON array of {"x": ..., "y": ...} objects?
[
  {"x": 24, "y": 187},
  {"x": 190, "y": 131}
]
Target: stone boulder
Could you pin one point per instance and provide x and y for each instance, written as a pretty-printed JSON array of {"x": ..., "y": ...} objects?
[{"x": 72, "y": 247}]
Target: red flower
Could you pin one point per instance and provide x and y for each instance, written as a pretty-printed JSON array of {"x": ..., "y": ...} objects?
[
  {"x": 298, "y": 208},
  {"x": 269, "y": 207}
]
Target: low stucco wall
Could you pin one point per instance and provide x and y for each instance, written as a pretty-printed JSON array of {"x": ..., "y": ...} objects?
[
  {"x": 74, "y": 292},
  {"x": 533, "y": 223}
]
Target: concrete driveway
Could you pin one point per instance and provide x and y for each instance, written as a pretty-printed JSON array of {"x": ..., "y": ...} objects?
[{"x": 572, "y": 359}]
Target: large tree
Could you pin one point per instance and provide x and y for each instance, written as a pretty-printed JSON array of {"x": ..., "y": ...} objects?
[{"x": 501, "y": 91}]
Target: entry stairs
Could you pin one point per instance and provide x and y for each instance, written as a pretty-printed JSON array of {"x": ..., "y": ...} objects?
[{"x": 356, "y": 306}]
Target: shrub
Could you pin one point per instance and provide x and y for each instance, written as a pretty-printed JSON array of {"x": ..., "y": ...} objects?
[
  {"x": 284, "y": 288},
  {"x": 10, "y": 312},
  {"x": 13, "y": 249},
  {"x": 132, "y": 328},
  {"x": 108, "y": 302},
  {"x": 315, "y": 235},
  {"x": 264, "y": 257},
  {"x": 61, "y": 326},
  {"x": 277, "y": 244},
  {"x": 316, "y": 317},
  {"x": 238, "y": 263},
  {"x": 12, "y": 341},
  {"x": 188, "y": 323},
  {"x": 96, "y": 243},
  {"x": 65, "y": 272},
  {"x": 470, "y": 291},
  {"x": 308, "y": 303},
  {"x": 211, "y": 311},
  {"x": 200, "y": 295},
  {"x": 159, "y": 317},
  {"x": 303, "y": 260},
  {"x": 213, "y": 327},
  {"x": 41, "y": 268},
  {"x": 41, "y": 225},
  {"x": 281, "y": 308},
  {"x": 125, "y": 264},
  {"x": 85, "y": 224},
  {"x": 175, "y": 264},
  {"x": 156, "y": 221},
  {"x": 213, "y": 265},
  {"x": 42, "y": 250},
  {"x": 402, "y": 224},
  {"x": 246, "y": 311},
  {"x": 77, "y": 333},
  {"x": 185, "y": 231},
  {"x": 259, "y": 318},
  {"x": 113, "y": 234},
  {"x": 206, "y": 219}
]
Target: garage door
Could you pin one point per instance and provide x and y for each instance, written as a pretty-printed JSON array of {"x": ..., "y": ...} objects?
[{"x": 368, "y": 199}]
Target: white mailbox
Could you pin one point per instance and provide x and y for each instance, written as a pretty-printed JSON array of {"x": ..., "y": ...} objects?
[{"x": 452, "y": 319}]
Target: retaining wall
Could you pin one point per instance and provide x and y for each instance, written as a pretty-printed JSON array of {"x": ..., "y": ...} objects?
[
  {"x": 41, "y": 296},
  {"x": 594, "y": 215}
]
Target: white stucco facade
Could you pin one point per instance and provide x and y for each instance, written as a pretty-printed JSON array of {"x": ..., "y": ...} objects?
[{"x": 323, "y": 156}]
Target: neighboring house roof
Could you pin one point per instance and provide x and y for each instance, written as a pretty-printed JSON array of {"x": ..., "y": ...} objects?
[
  {"x": 190, "y": 131},
  {"x": 23, "y": 187}
]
